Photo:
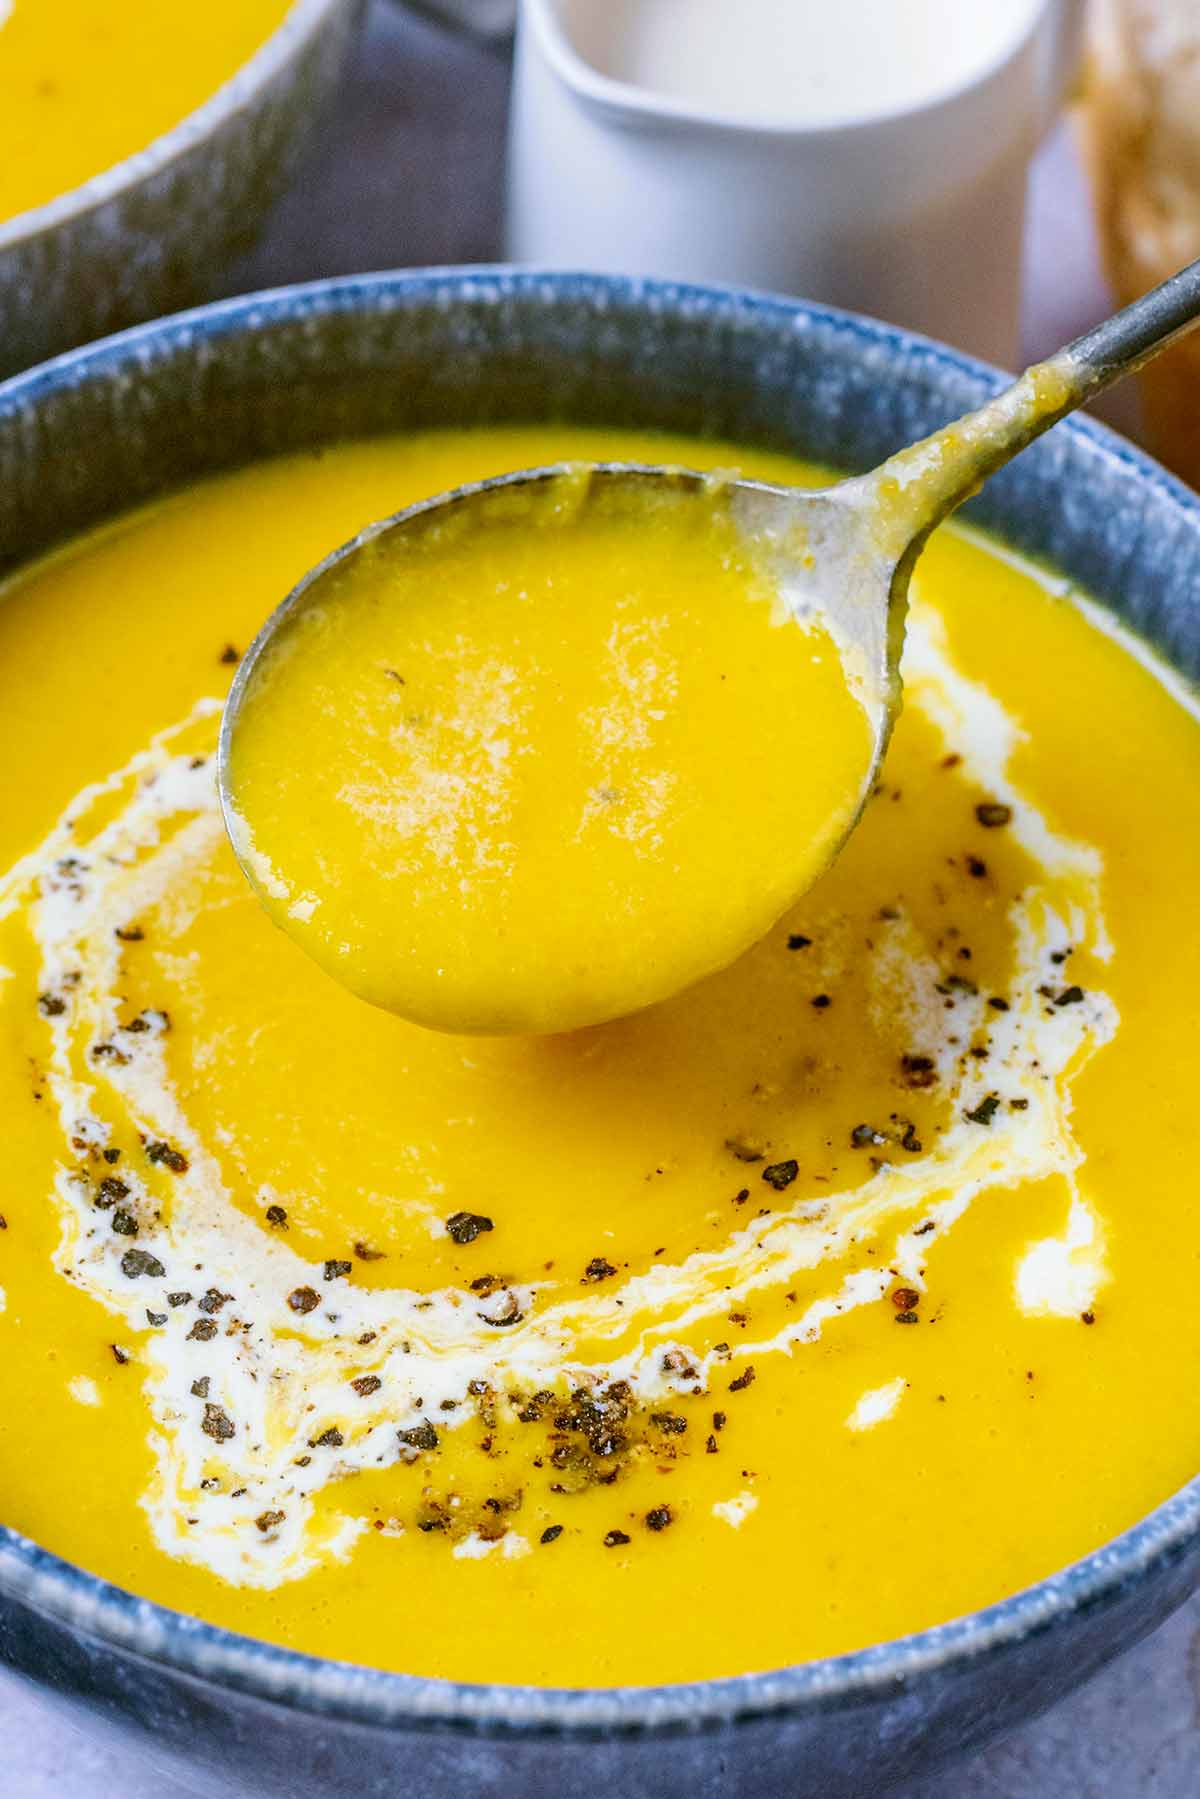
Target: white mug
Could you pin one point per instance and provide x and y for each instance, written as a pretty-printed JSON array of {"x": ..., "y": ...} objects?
[{"x": 914, "y": 215}]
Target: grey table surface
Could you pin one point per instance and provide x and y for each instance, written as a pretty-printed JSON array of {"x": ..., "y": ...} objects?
[{"x": 410, "y": 171}]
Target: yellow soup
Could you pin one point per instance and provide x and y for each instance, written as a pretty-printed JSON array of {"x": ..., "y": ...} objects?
[
  {"x": 85, "y": 83},
  {"x": 849, "y": 1290},
  {"x": 538, "y": 770}
]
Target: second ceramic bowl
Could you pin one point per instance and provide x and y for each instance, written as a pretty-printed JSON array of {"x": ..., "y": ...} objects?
[{"x": 155, "y": 231}]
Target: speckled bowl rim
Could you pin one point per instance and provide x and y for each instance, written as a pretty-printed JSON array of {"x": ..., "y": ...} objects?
[
  {"x": 34, "y": 1577},
  {"x": 302, "y": 20}
]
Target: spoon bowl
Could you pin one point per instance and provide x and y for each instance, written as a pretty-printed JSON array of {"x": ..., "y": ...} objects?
[{"x": 583, "y": 908}]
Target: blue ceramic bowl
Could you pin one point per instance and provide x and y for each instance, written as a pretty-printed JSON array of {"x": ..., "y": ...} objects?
[{"x": 110, "y": 425}]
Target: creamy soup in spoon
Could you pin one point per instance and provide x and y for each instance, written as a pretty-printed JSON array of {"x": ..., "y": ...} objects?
[{"x": 538, "y": 767}]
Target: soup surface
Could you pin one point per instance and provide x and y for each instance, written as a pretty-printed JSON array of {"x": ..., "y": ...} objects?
[
  {"x": 85, "y": 83},
  {"x": 847, "y": 1291}
]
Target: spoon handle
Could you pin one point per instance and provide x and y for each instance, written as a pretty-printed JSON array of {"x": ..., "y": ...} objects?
[
  {"x": 916, "y": 489},
  {"x": 1122, "y": 344}
]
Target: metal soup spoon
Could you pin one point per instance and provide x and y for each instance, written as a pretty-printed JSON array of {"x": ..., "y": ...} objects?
[{"x": 842, "y": 556}]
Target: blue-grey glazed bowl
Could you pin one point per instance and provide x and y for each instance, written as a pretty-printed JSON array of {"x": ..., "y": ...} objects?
[
  {"x": 112, "y": 424},
  {"x": 158, "y": 229}
]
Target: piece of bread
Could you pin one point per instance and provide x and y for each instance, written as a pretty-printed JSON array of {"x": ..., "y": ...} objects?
[{"x": 1141, "y": 120}]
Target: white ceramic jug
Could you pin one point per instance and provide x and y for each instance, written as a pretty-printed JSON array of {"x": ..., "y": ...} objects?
[{"x": 914, "y": 213}]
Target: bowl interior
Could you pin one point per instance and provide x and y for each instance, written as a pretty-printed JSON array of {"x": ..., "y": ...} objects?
[{"x": 105, "y": 427}]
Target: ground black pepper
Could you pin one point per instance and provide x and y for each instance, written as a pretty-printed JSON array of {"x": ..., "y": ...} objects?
[
  {"x": 464, "y": 1227},
  {"x": 217, "y": 1423},
  {"x": 139, "y": 1261},
  {"x": 420, "y": 1436},
  {"x": 166, "y": 1154},
  {"x": 918, "y": 1071}
]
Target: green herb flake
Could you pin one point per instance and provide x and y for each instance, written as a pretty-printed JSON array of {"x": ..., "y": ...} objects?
[{"x": 985, "y": 1111}]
